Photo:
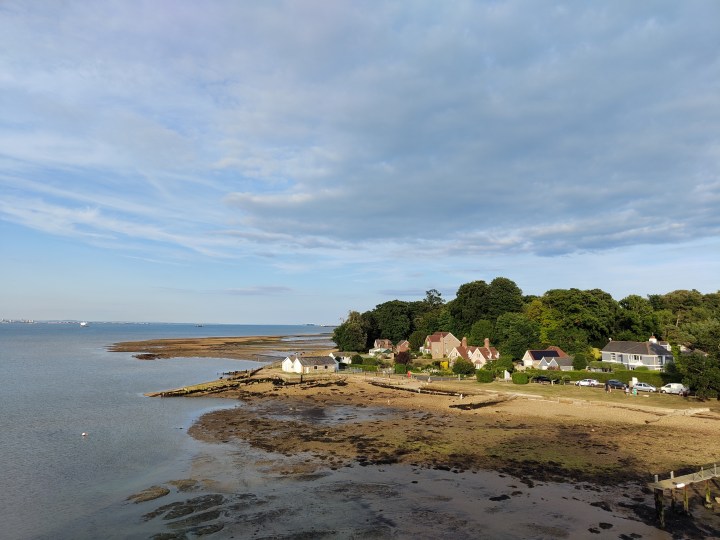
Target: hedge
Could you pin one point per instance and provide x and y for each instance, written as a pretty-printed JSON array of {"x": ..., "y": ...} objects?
[
  {"x": 484, "y": 376},
  {"x": 656, "y": 378},
  {"x": 520, "y": 377}
]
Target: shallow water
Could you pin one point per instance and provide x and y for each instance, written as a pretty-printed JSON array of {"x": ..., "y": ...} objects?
[{"x": 58, "y": 381}]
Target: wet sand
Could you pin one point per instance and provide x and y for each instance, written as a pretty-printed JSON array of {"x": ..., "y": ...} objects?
[{"x": 349, "y": 458}]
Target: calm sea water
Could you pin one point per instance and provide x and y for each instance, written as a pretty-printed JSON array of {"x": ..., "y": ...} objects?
[{"x": 58, "y": 381}]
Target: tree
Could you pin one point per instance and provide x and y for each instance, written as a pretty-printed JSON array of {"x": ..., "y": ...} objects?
[
  {"x": 469, "y": 305},
  {"x": 503, "y": 296},
  {"x": 433, "y": 298},
  {"x": 580, "y": 361},
  {"x": 636, "y": 319},
  {"x": 703, "y": 335},
  {"x": 593, "y": 311},
  {"x": 480, "y": 330},
  {"x": 500, "y": 365},
  {"x": 515, "y": 334},
  {"x": 417, "y": 339},
  {"x": 403, "y": 357},
  {"x": 393, "y": 320},
  {"x": 350, "y": 335},
  {"x": 701, "y": 374},
  {"x": 463, "y": 367}
]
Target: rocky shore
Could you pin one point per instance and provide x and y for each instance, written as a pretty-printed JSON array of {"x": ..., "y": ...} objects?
[{"x": 412, "y": 459}]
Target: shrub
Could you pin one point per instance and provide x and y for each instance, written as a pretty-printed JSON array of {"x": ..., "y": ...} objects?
[
  {"x": 463, "y": 367},
  {"x": 401, "y": 369},
  {"x": 356, "y": 359},
  {"x": 370, "y": 361},
  {"x": 484, "y": 376},
  {"x": 520, "y": 378}
]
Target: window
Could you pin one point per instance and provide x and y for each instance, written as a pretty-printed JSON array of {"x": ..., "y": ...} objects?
[{"x": 612, "y": 357}]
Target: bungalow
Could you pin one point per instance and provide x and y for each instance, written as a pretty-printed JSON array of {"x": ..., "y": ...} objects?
[
  {"x": 309, "y": 364},
  {"x": 635, "y": 354},
  {"x": 560, "y": 363},
  {"x": 533, "y": 357},
  {"x": 477, "y": 355},
  {"x": 439, "y": 344}
]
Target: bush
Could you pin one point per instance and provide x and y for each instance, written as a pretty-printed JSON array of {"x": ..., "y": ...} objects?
[
  {"x": 356, "y": 359},
  {"x": 484, "y": 376},
  {"x": 370, "y": 362},
  {"x": 463, "y": 367},
  {"x": 520, "y": 377},
  {"x": 401, "y": 369},
  {"x": 365, "y": 367}
]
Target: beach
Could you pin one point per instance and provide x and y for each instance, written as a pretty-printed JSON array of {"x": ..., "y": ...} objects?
[{"x": 375, "y": 456}]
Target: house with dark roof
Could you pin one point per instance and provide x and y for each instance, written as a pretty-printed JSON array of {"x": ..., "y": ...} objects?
[
  {"x": 560, "y": 363},
  {"x": 533, "y": 357},
  {"x": 635, "y": 354},
  {"x": 309, "y": 364}
]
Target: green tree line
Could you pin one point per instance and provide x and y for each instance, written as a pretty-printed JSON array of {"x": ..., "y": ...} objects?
[{"x": 572, "y": 319}]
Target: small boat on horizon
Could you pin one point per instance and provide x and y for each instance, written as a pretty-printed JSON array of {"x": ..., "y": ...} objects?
[{"x": 84, "y": 323}]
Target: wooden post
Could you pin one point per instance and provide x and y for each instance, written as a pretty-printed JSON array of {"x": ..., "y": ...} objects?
[
  {"x": 659, "y": 507},
  {"x": 686, "y": 503},
  {"x": 708, "y": 498}
]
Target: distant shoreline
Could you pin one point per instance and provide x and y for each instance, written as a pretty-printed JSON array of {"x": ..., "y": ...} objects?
[{"x": 240, "y": 348}]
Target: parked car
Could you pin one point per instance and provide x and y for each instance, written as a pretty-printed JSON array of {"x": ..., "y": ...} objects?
[
  {"x": 644, "y": 387},
  {"x": 614, "y": 383},
  {"x": 675, "y": 388},
  {"x": 588, "y": 382},
  {"x": 542, "y": 379}
]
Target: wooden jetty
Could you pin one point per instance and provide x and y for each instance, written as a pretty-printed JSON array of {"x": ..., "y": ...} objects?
[{"x": 706, "y": 475}]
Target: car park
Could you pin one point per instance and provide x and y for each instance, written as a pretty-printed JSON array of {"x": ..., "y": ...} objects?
[
  {"x": 675, "y": 388},
  {"x": 588, "y": 382},
  {"x": 614, "y": 383},
  {"x": 644, "y": 387}
]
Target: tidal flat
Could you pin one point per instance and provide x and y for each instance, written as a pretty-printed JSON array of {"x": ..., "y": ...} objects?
[{"x": 358, "y": 456}]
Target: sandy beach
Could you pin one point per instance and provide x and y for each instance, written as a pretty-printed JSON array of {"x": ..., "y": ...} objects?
[{"x": 555, "y": 463}]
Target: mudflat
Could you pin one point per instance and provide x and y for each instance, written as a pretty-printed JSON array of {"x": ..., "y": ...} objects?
[{"x": 548, "y": 462}]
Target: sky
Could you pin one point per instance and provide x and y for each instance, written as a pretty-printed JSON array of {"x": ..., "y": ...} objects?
[{"x": 288, "y": 161}]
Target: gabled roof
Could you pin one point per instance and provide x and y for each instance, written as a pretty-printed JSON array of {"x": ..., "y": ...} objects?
[
  {"x": 437, "y": 336},
  {"x": 309, "y": 361},
  {"x": 636, "y": 347},
  {"x": 462, "y": 351},
  {"x": 546, "y": 353}
]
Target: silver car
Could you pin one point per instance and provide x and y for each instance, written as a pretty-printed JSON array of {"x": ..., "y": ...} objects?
[{"x": 644, "y": 387}]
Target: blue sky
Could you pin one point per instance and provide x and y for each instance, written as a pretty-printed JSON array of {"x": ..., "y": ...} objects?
[{"x": 287, "y": 161}]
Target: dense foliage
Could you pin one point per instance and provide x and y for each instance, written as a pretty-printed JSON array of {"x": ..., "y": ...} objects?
[{"x": 575, "y": 320}]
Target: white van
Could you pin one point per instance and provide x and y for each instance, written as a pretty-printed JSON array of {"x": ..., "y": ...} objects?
[{"x": 675, "y": 388}]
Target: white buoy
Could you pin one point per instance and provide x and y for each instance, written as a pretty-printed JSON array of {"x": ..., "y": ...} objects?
[{"x": 84, "y": 434}]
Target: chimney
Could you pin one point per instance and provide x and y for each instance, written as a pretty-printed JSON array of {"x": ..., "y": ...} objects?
[
  {"x": 487, "y": 343},
  {"x": 464, "y": 342}
]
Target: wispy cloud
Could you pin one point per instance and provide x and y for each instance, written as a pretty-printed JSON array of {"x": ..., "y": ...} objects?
[{"x": 317, "y": 136}]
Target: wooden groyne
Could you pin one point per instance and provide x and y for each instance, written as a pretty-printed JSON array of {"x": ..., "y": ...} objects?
[{"x": 705, "y": 479}]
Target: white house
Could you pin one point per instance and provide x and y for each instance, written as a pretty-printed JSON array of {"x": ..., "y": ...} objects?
[
  {"x": 309, "y": 364},
  {"x": 634, "y": 354},
  {"x": 341, "y": 359}
]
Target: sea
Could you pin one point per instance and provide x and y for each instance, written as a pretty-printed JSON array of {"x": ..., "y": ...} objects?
[{"x": 58, "y": 381}]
